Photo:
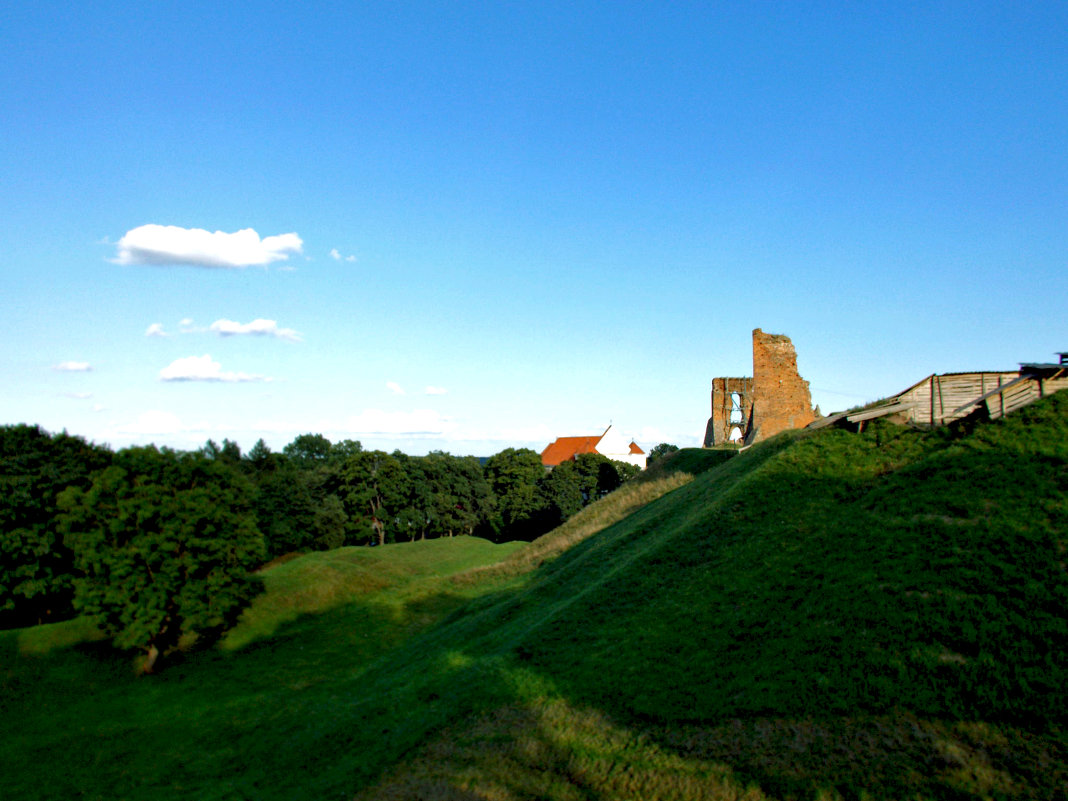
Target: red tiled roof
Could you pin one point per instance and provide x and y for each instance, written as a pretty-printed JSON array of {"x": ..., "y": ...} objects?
[
  {"x": 634, "y": 447},
  {"x": 565, "y": 448}
]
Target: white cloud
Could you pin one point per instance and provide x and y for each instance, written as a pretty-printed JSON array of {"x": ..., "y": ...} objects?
[
  {"x": 155, "y": 330},
  {"x": 79, "y": 395},
  {"x": 436, "y": 391},
  {"x": 335, "y": 254},
  {"x": 186, "y": 322},
  {"x": 73, "y": 367},
  {"x": 394, "y": 387},
  {"x": 417, "y": 423},
  {"x": 170, "y": 244},
  {"x": 203, "y": 368},
  {"x": 258, "y": 327}
]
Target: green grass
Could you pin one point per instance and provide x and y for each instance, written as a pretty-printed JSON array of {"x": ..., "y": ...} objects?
[
  {"x": 246, "y": 720},
  {"x": 821, "y": 616}
]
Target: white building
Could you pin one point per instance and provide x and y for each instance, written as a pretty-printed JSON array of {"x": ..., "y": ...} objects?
[{"x": 610, "y": 444}]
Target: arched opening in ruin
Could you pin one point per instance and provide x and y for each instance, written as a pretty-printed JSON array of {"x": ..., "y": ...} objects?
[{"x": 736, "y": 409}]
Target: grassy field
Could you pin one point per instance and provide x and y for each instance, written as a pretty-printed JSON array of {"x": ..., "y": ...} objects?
[{"x": 821, "y": 616}]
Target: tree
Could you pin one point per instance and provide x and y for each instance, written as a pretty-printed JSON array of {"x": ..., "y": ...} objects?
[
  {"x": 478, "y": 497},
  {"x": 260, "y": 458},
  {"x": 36, "y": 566},
  {"x": 562, "y": 490},
  {"x": 295, "y": 501},
  {"x": 659, "y": 452},
  {"x": 374, "y": 489},
  {"x": 229, "y": 452},
  {"x": 166, "y": 543},
  {"x": 462, "y": 500},
  {"x": 308, "y": 450},
  {"x": 576, "y": 483},
  {"x": 514, "y": 474},
  {"x": 340, "y": 451}
]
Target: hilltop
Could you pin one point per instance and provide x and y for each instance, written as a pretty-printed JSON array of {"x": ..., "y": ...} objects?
[{"x": 824, "y": 615}]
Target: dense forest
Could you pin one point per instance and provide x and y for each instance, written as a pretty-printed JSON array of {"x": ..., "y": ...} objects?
[{"x": 157, "y": 543}]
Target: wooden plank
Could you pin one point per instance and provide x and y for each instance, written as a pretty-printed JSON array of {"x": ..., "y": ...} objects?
[
  {"x": 932, "y": 420},
  {"x": 879, "y": 411},
  {"x": 999, "y": 390}
]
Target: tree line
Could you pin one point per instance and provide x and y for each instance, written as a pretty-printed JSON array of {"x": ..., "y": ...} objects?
[{"x": 157, "y": 543}]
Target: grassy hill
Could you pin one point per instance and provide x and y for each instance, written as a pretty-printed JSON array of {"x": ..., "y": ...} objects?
[{"x": 824, "y": 615}]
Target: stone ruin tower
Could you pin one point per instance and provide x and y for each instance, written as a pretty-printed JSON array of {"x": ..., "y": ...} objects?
[{"x": 775, "y": 399}]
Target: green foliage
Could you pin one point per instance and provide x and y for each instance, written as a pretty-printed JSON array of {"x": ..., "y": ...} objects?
[
  {"x": 308, "y": 450},
  {"x": 296, "y": 508},
  {"x": 564, "y": 492},
  {"x": 36, "y": 565},
  {"x": 660, "y": 451},
  {"x": 574, "y": 484},
  {"x": 229, "y": 451},
  {"x": 374, "y": 489},
  {"x": 166, "y": 543},
  {"x": 513, "y": 475}
]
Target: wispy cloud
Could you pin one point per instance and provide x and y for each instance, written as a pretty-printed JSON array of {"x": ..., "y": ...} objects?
[
  {"x": 204, "y": 368},
  {"x": 259, "y": 327},
  {"x": 395, "y": 388},
  {"x": 73, "y": 367},
  {"x": 79, "y": 395},
  {"x": 436, "y": 391},
  {"x": 335, "y": 254},
  {"x": 173, "y": 245},
  {"x": 228, "y": 328}
]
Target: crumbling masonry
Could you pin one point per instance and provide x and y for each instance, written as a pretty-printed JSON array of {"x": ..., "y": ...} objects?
[{"x": 775, "y": 399}]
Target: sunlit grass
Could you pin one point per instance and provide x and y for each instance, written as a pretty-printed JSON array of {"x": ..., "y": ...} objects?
[{"x": 325, "y": 580}]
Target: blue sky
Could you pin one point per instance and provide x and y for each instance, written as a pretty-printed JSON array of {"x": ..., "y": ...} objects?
[{"x": 470, "y": 226}]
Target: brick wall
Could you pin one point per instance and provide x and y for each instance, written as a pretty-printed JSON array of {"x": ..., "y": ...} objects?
[
  {"x": 781, "y": 397},
  {"x": 727, "y": 393}
]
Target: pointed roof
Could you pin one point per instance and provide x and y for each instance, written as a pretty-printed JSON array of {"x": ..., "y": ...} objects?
[
  {"x": 564, "y": 448},
  {"x": 634, "y": 448}
]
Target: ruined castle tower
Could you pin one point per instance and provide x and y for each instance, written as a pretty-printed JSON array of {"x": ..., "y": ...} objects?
[
  {"x": 732, "y": 411},
  {"x": 780, "y": 396},
  {"x": 775, "y": 399}
]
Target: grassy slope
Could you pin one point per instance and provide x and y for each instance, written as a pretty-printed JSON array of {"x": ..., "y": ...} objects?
[
  {"x": 835, "y": 614},
  {"x": 828, "y": 616},
  {"x": 247, "y": 720}
]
